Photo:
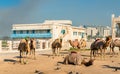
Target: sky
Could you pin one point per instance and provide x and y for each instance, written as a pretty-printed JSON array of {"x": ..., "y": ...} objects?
[{"x": 80, "y": 12}]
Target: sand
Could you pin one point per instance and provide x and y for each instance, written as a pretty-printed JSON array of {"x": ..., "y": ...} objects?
[{"x": 45, "y": 64}]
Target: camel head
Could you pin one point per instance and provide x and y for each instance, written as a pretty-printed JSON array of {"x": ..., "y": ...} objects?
[
  {"x": 69, "y": 40},
  {"x": 108, "y": 40}
]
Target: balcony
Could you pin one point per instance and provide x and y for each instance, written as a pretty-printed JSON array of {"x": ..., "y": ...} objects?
[{"x": 42, "y": 35}]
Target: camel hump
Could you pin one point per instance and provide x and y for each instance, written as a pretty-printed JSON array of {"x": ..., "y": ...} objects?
[
  {"x": 76, "y": 43},
  {"x": 117, "y": 42},
  {"x": 23, "y": 41},
  {"x": 97, "y": 41},
  {"x": 57, "y": 40}
]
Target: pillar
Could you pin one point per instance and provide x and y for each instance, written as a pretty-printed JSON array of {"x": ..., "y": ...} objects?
[{"x": 10, "y": 45}]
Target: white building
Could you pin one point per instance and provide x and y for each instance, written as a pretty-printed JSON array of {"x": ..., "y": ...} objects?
[
  {"x": 91, "y": 31},
  {"x": 107, "y": 31},
  {"x": 48, "y": 31},
  {"x": 115, "y": 26}
]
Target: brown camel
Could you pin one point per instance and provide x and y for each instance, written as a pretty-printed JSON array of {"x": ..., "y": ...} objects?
[
  {"x": 32, "y": 47},
  {"x": 56, "y": 46},
  {"x": 101, "y": 45},
  {"x": 23, "y": 48},
  {"x": 114, "y": 43},
  {"x": 76, "y": 59},
  {"x": 74, "y": 44}
]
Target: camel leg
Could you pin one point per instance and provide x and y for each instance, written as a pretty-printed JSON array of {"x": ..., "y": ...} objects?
[
  {"x": 104, "y": 53},
  {"x": 20, "y": 55},
  {"x": 101, "y": 53},
  {"x": 34, "y": 53},
  {"x": 91, "y": 53},
  {"x": 58, "y": 51},
  {"x": 66, "y": 60},
  {"x": 53, "y": 52},
  {"x": 113, "y": 52},
  {"x": 119, "y": 50},
  {"x": 110, "y": 50}
]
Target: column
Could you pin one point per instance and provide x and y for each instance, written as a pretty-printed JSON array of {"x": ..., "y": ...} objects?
[
  {"x": 113, "y": 26},
  {"x": 46, "y": 44},
  {"x": 41, "y": 44},
  {"x": 10, "y": 45}
]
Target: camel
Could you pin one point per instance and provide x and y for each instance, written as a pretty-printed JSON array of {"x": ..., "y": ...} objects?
[
  {"x": 114, "y": 43},
  {"x": 23, "y": 48},
  {"x": 82, "y": 43},
  {"x": 32, "y": 47},
  {"x": 76, "y": 59},
  {"x": 101, "y": 45},
  {"x": 74, "y": 44},
  {"x": 56, "y": 46}
]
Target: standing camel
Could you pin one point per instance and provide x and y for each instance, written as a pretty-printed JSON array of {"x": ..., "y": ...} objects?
[
  {"x": 23, "y": 48},
  {"x": 101, "y": 45},
  {"x": 56, "y": 46},
  {"x": 114, "y": 43},
  {"x": 74, "y": 44},
  {"x": 32, "y": 47},
  {"x": 82, "y": 43}
]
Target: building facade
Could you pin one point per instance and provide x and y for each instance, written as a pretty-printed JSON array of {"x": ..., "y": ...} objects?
[
  {"x": 45, "y": 33},
  {"x": 91, "y": 31},
  {"x": 115, "y": 24}
]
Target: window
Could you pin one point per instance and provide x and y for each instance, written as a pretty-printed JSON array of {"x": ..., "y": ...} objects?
[
  {"x": 21, "y": 32},
  {"x": 63, "y": 31},
  {"x": 14, "y": 32},
  {"x": 74, "y": 33},
  {"x": 83, "y": 35},
  {"x": 27, "y": 32},
  {"x": 33, "y": 31},
  {"x": 79, "y": 33},
  {"x": 48, "y": 31},
  {"x": 117, "y": 31},
  {"x": 17, "y": 32}
]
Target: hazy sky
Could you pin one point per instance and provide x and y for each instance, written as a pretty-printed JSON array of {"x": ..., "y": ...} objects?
[{"x": 80, "y": 12}]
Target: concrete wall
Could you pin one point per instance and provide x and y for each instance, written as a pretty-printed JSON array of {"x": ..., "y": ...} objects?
[{"x": 12, "y": 46}]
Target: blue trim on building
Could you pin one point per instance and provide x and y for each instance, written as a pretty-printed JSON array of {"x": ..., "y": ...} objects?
[{"x": 43, "y": 35}]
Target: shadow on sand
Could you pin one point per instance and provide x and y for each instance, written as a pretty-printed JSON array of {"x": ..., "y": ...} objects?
[
  {"x": 10, "y": 60},
  {"x": 112, "y": 67}
]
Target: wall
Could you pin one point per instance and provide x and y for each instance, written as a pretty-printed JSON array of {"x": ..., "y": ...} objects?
[{"x": 12, "y": 46}]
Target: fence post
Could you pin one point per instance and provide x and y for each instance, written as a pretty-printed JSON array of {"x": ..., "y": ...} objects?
[{"x": 10, "y": 45}]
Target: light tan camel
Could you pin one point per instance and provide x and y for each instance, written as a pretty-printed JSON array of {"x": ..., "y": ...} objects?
[
  {"x": 76, "y": 59},
  {"x": 56, "y": 46},
  {"x": 82, "y": 43},
  {"x": 114, "y": 43}
]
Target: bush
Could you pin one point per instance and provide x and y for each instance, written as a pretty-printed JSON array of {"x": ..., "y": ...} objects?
[{"x": 73, "y": 48}]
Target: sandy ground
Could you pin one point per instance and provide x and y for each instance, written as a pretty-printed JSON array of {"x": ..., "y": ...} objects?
[{"x": 48, "y": 65}]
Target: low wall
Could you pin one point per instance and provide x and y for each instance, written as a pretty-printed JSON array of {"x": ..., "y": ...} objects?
[{"x": 12, "y": 46}]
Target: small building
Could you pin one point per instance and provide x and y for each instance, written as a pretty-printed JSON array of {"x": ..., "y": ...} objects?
[
  {"x": 91, "y": 31},
  {"x": 45, "y": 33}
]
